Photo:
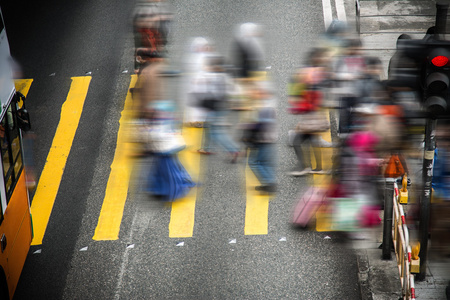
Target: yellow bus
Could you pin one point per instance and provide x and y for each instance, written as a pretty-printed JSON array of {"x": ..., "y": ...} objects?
[{"x": 15, "y": 218}]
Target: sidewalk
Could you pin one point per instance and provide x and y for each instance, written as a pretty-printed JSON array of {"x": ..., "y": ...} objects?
[{"x": 380, "y": 24}]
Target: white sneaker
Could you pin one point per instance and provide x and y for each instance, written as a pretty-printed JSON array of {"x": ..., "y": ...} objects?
[
  {"x": 321, "y": 143},
  {"x": 303, "y": 172},
  {"x": 323, "y": 172}
]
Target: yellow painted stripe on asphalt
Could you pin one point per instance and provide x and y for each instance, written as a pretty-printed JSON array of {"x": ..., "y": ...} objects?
[
  {"x": 50, "y": 179},
  {"x": 108, "y": 226},
  {"x": 182, "y": 216},
  {"x": 323, "y": 222},
  {"x": 257, "y": 206}
]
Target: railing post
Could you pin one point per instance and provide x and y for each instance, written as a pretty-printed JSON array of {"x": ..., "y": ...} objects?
[{"x": 387, "y": 223}]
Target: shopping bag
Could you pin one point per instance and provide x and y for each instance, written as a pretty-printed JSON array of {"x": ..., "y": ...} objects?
[{"x": 313, "y": 122}]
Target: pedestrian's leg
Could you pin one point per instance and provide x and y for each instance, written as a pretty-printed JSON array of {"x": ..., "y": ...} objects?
[
  {"x": 207, "y": 139},
  {"x": 297, "y": 144},
  {"x": 303, "y": 167},
  {"x": 318, "y": 157},
  {"x": 222, "y": 138},
  {"x": 266, "y": 161},
  {"x": 253, "y": 163}
]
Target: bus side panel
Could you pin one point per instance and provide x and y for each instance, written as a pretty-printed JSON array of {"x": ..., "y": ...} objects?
[{"x": 19, "y": 244}]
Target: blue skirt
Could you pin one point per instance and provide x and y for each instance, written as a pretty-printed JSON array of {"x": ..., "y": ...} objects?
[{"x": 168, "y": 179}]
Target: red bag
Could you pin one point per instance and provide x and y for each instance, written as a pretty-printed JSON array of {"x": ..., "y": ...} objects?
[{"x": 309, "y": 101}]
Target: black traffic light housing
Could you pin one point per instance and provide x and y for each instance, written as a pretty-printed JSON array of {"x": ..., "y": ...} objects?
[
  {"x": 424, "y": 66},
  {"x": 428, "y": 73},
  {"x": 436, "y": 78}
]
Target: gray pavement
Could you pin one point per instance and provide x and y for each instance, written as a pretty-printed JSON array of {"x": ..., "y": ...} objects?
[{"x": 379, "y": 23}]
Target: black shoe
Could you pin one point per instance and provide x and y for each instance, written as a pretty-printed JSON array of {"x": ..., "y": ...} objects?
[{"x": 271, "y": 188}]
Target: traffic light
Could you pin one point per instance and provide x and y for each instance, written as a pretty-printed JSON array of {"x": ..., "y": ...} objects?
[
  {"x": 436, "y": 80},
  {"x": 425, "y": 67}
]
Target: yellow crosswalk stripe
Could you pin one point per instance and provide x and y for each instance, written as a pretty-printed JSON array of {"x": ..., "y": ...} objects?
[
  {"x": 50, "y": 179},
  {"x": 322, "y": 217},
  {"x": 257, "y": 206},
  {"x": 182, "y": 216},
  {"x": 108, "y": 226}
]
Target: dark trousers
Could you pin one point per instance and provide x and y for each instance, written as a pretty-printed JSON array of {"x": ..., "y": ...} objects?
[{"x": 304, "y": 155}]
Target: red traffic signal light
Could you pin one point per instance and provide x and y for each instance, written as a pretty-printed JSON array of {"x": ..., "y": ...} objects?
[
  {"x": 439, "y": 61},
  {"x": 439, "y": 57}
]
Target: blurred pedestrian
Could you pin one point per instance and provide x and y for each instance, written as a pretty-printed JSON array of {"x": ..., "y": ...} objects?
[
  {"x": 307, "y": 101},
  {"x": 249, "y": 59},
  {"x": 214, "y": 99},
  {"x": 195, "y": 65},
  {"x": 249, "y": 54},
  {"x": 260, "y": 135},
  {"x": 150, "y": 85},
  {"x": 166, "y": 178},
  {"x": 347, "y": 70},
  {"x": 151, "y": 21}
]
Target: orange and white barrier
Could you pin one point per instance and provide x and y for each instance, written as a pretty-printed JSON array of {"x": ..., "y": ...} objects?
[{"x": 400, "y": 237}]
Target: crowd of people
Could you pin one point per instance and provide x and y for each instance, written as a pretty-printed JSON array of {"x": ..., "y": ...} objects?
[
  {"x": 337, "y": 80},
  {"x": 211, "y": 90}
]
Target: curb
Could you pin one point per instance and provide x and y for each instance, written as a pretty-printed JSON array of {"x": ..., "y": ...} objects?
[{"x": 363, "y": 274}]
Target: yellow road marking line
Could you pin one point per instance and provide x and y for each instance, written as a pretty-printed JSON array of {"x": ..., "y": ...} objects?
[
  {"x": 50, "y": 179},
  {"x": 323, "y": 222},
  {"x": 257, "y": 207},
  {"x": 108, "y": 226},
  {"x": 182, "y": 216}
]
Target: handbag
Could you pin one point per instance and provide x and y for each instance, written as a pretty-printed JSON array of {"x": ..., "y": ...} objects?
[{"x": 313, "y": 122}]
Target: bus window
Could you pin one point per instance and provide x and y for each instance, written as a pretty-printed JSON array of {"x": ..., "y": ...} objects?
[{"x": 10, "y": 146}]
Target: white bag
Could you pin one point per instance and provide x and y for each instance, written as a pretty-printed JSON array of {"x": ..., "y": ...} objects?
[{"x": 161, "y": 138}]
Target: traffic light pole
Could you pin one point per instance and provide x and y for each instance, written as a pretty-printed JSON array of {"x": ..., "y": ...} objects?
[
  {"x": 430, "y": 140},
  {"x": 425, "y": 202}
]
